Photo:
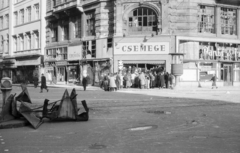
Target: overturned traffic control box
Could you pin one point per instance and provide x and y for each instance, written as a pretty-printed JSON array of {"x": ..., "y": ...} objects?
[{"x": 64, "y": 109}]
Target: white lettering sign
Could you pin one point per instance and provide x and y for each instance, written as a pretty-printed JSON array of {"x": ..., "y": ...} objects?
[{"x": 142, "y": 48}]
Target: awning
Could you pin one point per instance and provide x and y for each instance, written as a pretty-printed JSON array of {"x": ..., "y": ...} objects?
[{"x": 143, "y": 62}]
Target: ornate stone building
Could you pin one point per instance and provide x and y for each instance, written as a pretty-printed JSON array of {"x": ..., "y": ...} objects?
[{"x": 22, "y": 39}]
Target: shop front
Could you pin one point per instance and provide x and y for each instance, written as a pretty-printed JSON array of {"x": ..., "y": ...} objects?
[
  {"x": 204, "y": 59},
  {"x": 27, "y": 68},
  {"x": 142, "y": 55},
  {"x": 7, "y": 66}
]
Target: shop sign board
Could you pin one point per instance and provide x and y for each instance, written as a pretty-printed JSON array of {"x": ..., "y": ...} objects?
[
  {"x": 74, "y": 53},
  {"x": 221, "y": 53},
  {"x": 61, "y": 63},
  {"x": 142, "y": 48},
  {"x": 30, "y": 61}
]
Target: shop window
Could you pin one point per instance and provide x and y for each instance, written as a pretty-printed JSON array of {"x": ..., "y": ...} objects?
[
  {"x": 94, "y": 49},
  {"x": 228, "y": 21},
  {"x": 142, "y": 20},
  {"x": 206, "y": 19},
  {"x": 90, "y": 23},
  {"x": 237, "y": 72},
  {"x": 62, "y": 53}
]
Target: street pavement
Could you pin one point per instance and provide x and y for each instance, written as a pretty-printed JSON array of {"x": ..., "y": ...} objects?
[{"x": 184, "y": 120}]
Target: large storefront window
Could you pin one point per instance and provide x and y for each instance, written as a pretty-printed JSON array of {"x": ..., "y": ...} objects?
[
  {"x": 206, "y": 19},
  {"x": 142, "y": 19},
  {"x": 237, "y": 72},
  {"x": 229, "y": 21}
]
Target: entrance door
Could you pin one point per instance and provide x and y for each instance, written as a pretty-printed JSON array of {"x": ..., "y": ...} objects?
[
  {"x": 61, "y": 74},
  {"x": 228, "y": 74}
]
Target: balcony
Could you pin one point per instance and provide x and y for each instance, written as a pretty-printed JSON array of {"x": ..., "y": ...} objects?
[{"x": 65, "y": 5}]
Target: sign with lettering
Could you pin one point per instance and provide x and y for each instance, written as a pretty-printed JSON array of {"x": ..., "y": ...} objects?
[
  {"x": 220, "y": 53},
  {"x": 142, "y": 48},
  {"x": 75, "y": 53}
]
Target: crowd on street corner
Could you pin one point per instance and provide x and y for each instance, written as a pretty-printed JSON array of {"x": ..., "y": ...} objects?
[{"x": 137, "y": 78}]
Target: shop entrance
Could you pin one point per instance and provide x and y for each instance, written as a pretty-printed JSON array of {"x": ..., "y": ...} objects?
[
  {"x": 61, "y": 74},
  {"x": 227, "y": 74}
]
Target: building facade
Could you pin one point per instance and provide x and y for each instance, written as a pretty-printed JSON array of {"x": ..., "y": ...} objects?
[
  {"x": 79, "y": 39},
  {"x": 22, "y": 39}
]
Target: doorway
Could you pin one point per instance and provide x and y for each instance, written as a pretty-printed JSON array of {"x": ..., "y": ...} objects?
[{"x": 227, "y": 74}]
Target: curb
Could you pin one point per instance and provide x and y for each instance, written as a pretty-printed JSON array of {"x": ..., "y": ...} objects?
[{"x": 13, "y": 124}]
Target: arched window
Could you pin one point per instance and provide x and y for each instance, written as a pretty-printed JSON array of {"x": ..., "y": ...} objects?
[{"x": 142, "y": 19}]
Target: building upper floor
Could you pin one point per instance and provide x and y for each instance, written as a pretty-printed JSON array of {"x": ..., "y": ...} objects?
[{"x": 98, "y": 19}]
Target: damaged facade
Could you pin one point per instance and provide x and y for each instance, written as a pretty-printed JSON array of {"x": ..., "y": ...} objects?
[{"x": 96, "y": 37}]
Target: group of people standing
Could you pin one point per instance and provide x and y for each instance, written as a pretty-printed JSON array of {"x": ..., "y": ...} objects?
[{"x": 142, "y": 80}]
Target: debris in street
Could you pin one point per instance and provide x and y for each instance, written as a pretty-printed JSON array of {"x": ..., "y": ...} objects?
[
  {"x": 141, "y": 128},
  {"x": 64, "y": 109}
]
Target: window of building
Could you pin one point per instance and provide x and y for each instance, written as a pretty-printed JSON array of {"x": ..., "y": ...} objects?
[
  {"x": 2, "y": 4},
  {"x": 7, "y": 20},
  {"x": 142, "y": 19},
  {"x": 229, "y": 21},
  {"x": 14, "y": 43},
  {"x": 94, "y": 49},
  {"x": 65, "y": 30},
  {"x": 2, "y": 44},
  {"x": 90, "y": 23},
  {"x": 15, "y": 18},
  {"x": 55, "y": 34},
  {"x": 85, "y": 49},
  {"x": 36, "y": 40},
  {"x": 21, "y": 16},
  {"x": 62, "y": 53},
  {"x": 54, "y": 53},
  {"x": 21, "y": 40},
  {"x": 109, "y": 43},
  {"x": 54, "y": 2},
  {"x": 36, "y": 6},
  {"x": 237, "y": 72},
  {"x": 29, "y": 14},
  {"x": 77, "y": 27},
  {"x": 1, "y": 22},
  {"x": 7, "y": 47},
  {"x": 28, "y": 36}
]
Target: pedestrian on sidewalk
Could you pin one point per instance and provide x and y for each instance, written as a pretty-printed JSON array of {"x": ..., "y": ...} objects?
[
  {"x": 170, "y": 78},
  {"x": 214, "y": 80},
  {"x": 85, "y": 82},
  {"x": 35, "y": 80},
  {"x": 43, "y": 83}
]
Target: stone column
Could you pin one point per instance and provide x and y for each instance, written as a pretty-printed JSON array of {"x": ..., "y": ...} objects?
[
  {"x": 218, "y": 21},
  {"x": 83, "y": 23},
  {"x": 71, "y": 29}
]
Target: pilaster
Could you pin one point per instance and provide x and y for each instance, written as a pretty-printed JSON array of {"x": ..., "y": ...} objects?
[
  {"x": 238, "y": 23},
  {"x": 218, "y": 21}
]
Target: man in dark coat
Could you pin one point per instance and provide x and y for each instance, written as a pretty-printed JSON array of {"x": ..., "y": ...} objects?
[
  {"x": 43, "y": 83},
  {"x": 85, "y": 82},
  {"x": 166, "y": 76},
  {"x": 35, "y": 81}
]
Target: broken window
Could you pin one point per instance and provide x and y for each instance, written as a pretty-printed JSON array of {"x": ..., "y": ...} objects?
[{"x": 206, "y": 19}]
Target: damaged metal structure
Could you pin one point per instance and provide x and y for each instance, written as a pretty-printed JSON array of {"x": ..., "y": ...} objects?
[{"x": 64, "y": 109}]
